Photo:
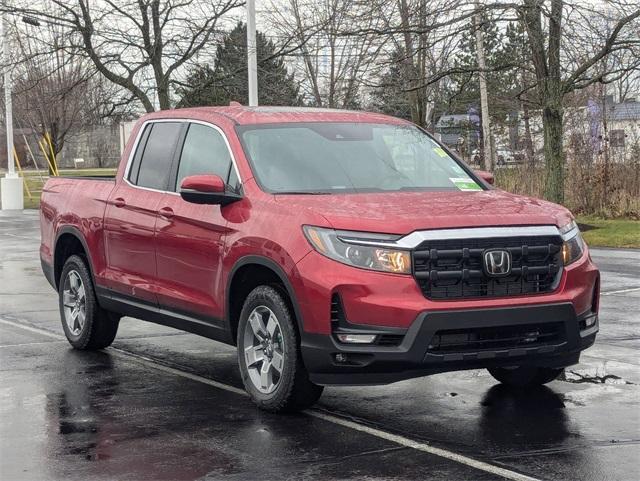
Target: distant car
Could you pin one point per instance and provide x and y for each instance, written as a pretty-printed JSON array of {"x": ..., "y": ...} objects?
[
  {"x": 503, "y": 156},
  {"x": 506, "y": 156}
]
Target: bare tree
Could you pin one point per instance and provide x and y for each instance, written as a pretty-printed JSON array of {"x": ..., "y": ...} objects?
[
  {"x": 567, "y": 47},
  {"x": 333, "y": 67},
  {"x": 139, "y": 45},
  {"x": 424, "y": 37},
  {"x": 57, "y": 92},
  {"x": 50, "y": 90}
]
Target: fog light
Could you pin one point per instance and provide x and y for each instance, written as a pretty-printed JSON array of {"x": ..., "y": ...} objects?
[
  {"x": 590, "y": 321},
  {"x": 357, "y": 338}
]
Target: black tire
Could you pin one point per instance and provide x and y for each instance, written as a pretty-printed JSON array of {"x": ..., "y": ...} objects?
[
  {"x": 525, "y": 376},
  {"x": 99, "y": 327},
  {"x": 293, "y": 391}
]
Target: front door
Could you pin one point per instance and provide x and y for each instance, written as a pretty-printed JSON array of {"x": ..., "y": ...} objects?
[{"x": 190, "y": 237}]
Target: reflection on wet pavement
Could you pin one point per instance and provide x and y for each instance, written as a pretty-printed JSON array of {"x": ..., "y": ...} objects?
[{"x": 109, "y": 418}]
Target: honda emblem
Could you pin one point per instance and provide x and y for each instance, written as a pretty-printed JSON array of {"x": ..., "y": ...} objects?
[{"x": 497, "y": 262}]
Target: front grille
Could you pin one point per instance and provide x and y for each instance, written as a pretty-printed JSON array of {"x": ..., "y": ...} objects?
[
  {"x": 453, "y": 268},
  {"x": 493, "y": 338}
]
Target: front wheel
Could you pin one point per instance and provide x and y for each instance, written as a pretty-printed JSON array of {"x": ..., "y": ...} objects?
[
  {"x": 269, "y": 354},
  {"x": 525, "y": 376}
]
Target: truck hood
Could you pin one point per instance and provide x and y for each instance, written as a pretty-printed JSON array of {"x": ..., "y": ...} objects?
[{"x": 404, "y": 212}]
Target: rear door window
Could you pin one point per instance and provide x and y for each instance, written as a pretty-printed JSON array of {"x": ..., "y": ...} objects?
[{"x": 155, "y": 162}]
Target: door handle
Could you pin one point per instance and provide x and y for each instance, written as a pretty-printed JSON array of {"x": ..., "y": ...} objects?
[
  {"x": 119, "y": 202},
  {"x": 166, "y": 212}
]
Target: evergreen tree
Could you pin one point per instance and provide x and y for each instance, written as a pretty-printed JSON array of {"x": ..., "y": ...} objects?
[
  {"x": 391, "y": 97},
  {"x": 466, "y": 85},
  {"x": 516, "y": 50},
  {"x": 227, "y": 81}
]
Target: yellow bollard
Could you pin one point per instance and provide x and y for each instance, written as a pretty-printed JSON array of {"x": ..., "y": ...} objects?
[
  {"x": 46, "y": 156},
  {"x": 53, "y": 155}
]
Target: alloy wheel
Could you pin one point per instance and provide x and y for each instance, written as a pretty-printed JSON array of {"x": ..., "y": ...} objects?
[
  {"x": 263, "y": 349},
  {"x": 74, "y": 302}
]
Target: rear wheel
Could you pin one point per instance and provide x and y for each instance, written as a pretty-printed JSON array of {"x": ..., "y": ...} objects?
[
  {"x": 269, "y": 354},
  {"x": 85, "y": 323},
  {"x": 525, "y": 376}
]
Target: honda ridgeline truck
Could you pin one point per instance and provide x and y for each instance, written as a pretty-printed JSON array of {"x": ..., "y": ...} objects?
[{"x": 331, "y": 247}]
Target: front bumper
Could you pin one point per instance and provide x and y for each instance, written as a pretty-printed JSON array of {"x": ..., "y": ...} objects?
[
  {"x": 394, "y": 304},
  {"x": 331, "y": 362}
]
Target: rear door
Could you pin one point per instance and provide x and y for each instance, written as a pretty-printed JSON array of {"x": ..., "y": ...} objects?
[
  {"x": 132, "y": 209},
  {"x": 190, "y": 237}
]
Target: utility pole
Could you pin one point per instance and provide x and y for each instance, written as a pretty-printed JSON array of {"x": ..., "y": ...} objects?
[
  {"x": 11, "y": 183},
  {"x": 484, "y": 105},
  {"x": 252, "y": 53}
]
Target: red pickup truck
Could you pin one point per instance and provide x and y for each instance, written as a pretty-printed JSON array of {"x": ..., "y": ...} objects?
[{"x": 331, "y": 247}]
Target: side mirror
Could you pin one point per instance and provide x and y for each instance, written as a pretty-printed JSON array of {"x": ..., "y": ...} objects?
[
  {"x": 486, "y": 176},
  {"x": 206, "y": 189}
]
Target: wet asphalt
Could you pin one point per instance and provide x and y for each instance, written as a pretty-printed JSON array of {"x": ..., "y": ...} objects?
[{"x": 165, "y": 405}]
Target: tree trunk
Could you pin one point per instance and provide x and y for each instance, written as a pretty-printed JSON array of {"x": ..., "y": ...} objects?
[
  {"x": 605, "y": 148},
  {"x": 410, "y": 72},
  {"x": 164, "y": 99},
  {"x": 528, "y": 139},
  {"x": 546, "y": 61},
  {"x": 553, "y": 151}
]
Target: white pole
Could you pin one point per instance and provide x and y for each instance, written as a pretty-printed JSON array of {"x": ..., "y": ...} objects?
[
  {"x": 7, "y": 96},
  {"x": 11, "y": 184},
  {"x": 252, "y": 53},
  {"x": 484, "y": 104}
]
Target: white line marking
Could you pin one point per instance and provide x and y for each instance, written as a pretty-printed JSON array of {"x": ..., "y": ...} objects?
[
  {"x": 26, "y": 327},
  {"x": 177, "y": 372},
  {"x": 409, "y": 443},
  {"x": 394, "y": 438},
  {"x": 30, "y": 344},
  {"x": 621, "y": 291}
]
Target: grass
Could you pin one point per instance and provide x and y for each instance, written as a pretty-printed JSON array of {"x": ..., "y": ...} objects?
[
  {"x": 610, "y": 232},
  {"x": 34, "y": 181}
]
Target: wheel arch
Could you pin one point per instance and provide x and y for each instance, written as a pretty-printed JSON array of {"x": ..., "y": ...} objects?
[
  {"x": 69, "y": 241},
  {"x": 270, "y": 271}
]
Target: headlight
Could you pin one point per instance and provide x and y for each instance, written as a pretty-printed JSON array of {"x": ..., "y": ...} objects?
[
  {"x": 344, "y": 247},
  {"x": 573, "y": 245}
]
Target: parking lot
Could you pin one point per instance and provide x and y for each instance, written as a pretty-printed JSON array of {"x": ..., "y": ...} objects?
[{"x": 162, "y": 404}]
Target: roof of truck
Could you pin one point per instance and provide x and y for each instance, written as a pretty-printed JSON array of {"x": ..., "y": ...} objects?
[{"x": 267, "y": 115}]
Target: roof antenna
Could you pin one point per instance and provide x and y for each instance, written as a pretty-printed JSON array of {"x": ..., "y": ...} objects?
[{"x": 233, "y": 103}]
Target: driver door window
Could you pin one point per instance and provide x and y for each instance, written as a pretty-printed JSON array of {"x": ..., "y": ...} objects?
[{"x": 205, "y": 151}]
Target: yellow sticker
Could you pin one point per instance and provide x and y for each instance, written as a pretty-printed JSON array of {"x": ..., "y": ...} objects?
[{"x": 440, "y": 151}]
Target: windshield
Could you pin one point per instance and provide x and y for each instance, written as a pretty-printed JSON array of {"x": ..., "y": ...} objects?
[{"x": 328, "y": 157}]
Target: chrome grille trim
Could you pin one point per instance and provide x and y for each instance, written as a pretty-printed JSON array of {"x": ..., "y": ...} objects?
[{"x": 413, "y": 240}]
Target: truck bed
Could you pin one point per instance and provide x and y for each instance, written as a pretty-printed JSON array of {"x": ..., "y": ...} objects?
[{"x": 77, "y": 202}]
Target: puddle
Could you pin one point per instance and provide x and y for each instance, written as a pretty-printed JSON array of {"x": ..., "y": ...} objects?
[{"x": 592, "y": 376}]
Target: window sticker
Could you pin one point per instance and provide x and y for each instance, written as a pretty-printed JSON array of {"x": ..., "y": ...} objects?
[
  {"x": 465, "y": 183},
  {"x": 440, "y": 151}
]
